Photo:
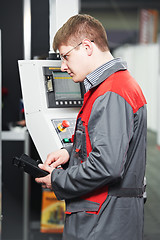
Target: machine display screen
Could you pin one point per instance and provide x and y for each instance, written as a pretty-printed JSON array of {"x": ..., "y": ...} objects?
[
  {"x": 65, "y": 88},
  {"x": 61, "y": 90}
]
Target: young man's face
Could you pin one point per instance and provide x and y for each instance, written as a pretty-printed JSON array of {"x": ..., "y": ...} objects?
[{"x": 74, "y": 61}]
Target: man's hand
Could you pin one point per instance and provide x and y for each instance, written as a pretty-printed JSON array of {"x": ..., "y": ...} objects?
[
  {"x": 45, "y": 181},
  {"x": 57, "y": 158},
  {"x": 53, "y": 160}
]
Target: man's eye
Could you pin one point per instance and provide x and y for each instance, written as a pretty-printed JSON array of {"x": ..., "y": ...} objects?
[{"x": 65, "y": 57}]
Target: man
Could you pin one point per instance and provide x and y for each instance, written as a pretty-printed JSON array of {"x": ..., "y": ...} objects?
[{"x": 102, "y": 174}]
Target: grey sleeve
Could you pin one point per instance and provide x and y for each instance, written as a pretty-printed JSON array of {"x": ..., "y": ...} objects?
[
  {"x": 110, "y": 130},
  {"x": 69, "y": 150}
]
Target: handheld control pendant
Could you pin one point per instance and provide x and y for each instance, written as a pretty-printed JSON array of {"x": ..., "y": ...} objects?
[{"x": 29, "y": 166}]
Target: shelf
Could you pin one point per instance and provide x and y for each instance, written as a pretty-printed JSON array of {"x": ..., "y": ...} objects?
[{"x": 13, "y": 136}]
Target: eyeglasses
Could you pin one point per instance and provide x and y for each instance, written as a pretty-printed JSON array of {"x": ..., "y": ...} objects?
[{"x": 64, "y": 56}]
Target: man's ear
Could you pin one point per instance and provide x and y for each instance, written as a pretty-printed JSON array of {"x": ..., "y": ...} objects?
[{"x": 88, "y": 46}]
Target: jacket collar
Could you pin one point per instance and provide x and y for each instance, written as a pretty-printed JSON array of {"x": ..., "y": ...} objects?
[{"x": 119, "y": 66}]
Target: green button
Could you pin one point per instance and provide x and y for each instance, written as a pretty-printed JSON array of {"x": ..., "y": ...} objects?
[{"x": 66, "y": 140}]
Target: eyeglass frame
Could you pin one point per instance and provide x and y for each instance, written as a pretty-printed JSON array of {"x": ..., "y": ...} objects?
[{"x": 63, "y": 56}]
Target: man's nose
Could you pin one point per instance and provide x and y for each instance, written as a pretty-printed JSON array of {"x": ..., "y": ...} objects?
[{"x": 64, "y": 66}]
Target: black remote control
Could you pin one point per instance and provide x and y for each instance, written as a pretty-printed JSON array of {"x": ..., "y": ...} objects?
[{"x": 29, "y": 166}]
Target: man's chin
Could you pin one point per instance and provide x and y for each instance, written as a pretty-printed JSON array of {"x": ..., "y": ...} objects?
[{"x": 77, "y": 80}]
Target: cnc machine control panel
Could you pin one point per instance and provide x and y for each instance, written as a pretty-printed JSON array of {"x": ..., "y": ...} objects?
[{"x": 52, "y": 101}]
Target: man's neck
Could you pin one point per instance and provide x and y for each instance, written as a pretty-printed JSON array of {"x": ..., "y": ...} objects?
[{"x": 101, "y": 58}]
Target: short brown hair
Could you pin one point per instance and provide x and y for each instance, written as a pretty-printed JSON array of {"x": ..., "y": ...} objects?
[{"x": 79, "y": 27}]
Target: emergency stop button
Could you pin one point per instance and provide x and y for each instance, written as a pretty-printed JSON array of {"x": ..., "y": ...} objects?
[
  {"x": 62, "y": 126},
  {"x": 65, "y": 124}
]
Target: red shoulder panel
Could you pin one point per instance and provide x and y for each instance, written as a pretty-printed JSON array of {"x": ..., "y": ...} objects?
[{"x": 126, "y": 86}]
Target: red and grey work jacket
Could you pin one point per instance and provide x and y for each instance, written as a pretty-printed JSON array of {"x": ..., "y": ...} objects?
[{"x": 107, "y": 156}]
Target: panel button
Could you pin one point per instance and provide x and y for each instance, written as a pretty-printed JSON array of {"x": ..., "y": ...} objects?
[
  {"x": 62, "y": 126},
  {"x": 66, "y": 140},
  {"x": 65, "y": 124}
]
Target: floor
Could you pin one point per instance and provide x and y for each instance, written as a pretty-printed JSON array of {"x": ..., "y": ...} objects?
[{"x": 152, "y": 206}]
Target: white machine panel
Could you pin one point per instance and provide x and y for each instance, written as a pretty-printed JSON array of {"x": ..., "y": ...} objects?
[{"x": 50, "y": 97}]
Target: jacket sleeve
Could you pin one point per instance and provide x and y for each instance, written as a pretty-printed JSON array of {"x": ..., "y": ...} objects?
[
  {"x": 110, "y": 130},
  {"x": 69, "y": 150}
]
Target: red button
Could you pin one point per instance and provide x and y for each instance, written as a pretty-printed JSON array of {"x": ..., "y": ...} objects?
[{"x": 65, "y": 124}]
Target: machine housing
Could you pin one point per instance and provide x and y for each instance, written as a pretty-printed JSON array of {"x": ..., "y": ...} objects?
[{"x": 50, "y": 97}]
